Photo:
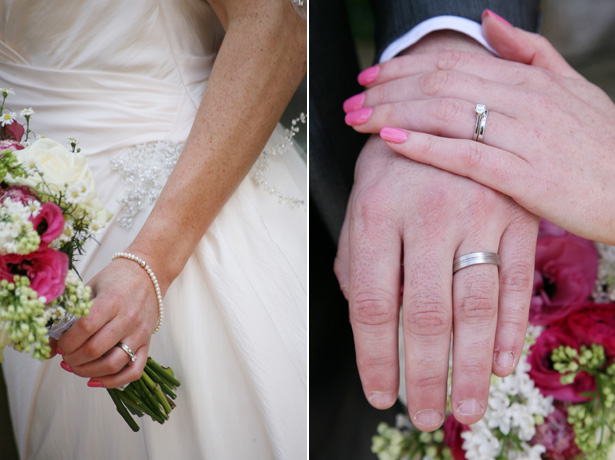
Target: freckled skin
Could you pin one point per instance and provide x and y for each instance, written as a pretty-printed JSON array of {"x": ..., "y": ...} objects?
[{"x": 261, "y": 62}]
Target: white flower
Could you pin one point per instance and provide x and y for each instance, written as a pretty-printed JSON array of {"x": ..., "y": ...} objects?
[
  {"x": 7, "y": 91},
  {"x": 27, "y": 112},
  {"x": 62, "y": 170},
  {"x": 8, "y": 118}
]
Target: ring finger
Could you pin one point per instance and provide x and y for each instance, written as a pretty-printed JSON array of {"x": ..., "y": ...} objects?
[
  {"x": 445, "y": 117},
  {"x": 475, "y": 305}
]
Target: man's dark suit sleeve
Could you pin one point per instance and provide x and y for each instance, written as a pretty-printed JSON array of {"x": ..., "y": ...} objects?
[{"x": 394, "y": 17}]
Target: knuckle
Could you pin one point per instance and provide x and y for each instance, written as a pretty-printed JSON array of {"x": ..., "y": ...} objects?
[
  {"x": 427, "y": 381},
  {"x": 447, "y": 60},
  {"x": 433, "y": 83},
  {"x": 476, "y": 306},
  {"x": 377, "y": 360},
  {"x": 92, "y": 351},
  {"x": 518, "y": 278},
  {"x": 373, "y": 308},
  {"x": 134, "y": 373},
  {"x": 427, "y": 317},
  {"x": 87, "y": 325},
  {"x": 474, "y": 155},
  {"x": 475, "y": 368},
  {"x": 372, "y": 205},
  {"x": 447, "y": 110}
]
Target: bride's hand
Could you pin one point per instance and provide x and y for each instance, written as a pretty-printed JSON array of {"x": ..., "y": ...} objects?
[
  {"x": 549, "y": 141},
  {"x": 125, "y": 310}
]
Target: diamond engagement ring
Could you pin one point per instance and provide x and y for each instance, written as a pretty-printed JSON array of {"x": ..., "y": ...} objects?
[
  {"x": 128, "y": 351},
  {"x": 474, "y": 259},
  {"x": 481, "y": 121}
]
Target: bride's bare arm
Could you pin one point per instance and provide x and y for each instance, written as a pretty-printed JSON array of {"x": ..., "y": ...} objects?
[{"x": 260, "y": 63}]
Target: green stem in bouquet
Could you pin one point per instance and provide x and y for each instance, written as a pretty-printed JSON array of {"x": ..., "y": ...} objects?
[{"x": 152, "y": 395}]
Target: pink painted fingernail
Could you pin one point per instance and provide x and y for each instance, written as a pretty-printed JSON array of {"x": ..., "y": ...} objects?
[
  {"x": 358, "y": 117},
  {"x": 59, "y": 350},
  {"x": 353, "y": 103},
  {"x": 397, "y": 136},
  {"x": 505, "y": 359},
  {"x": 382, "y": 399},
  {"x": 368, "y": 75},
  {"x": 95, "y": 384},
  {"x": 495, "y": 16},
  {"x": 65, "y": 366}
]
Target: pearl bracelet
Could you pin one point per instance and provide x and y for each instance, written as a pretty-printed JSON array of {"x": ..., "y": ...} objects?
[{"x": 150, "y": 273}]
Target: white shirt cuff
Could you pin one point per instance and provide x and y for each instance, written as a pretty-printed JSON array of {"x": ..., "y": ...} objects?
[{"x": 465, "y": 26}]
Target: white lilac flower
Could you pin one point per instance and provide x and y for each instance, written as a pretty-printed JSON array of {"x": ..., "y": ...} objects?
[
  {"x": 27, "y": 112},
  {"x": 8, "y": 118},
  {"x": 515, "y": 405}
]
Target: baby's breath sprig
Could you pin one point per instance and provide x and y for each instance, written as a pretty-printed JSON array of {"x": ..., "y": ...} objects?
[{"x": 591, "y": 420}]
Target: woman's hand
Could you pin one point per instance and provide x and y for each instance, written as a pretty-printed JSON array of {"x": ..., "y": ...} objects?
[
  {"x": 549, "y": 141},
  {"x": 125, "y": 310}
]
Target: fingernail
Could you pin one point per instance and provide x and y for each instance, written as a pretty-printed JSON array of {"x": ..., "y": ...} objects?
[
  {"x": 428, "y": 418},
  {"x": 368, "y": 75},
  {"x": 495, "y": 16},
  {"x": 353, "y": 103},
  {"x": 59, "y": 350},
  {"x": 94, "y": 384},
  {"x": 358, "y": 117},
  {"x": 65, "y": 366},
  {"x": 397, "y": 136},
  {"x": 505, "y": 359},
  {"x": 382, "y": 399},
  {"x": 470, "y": 407}
]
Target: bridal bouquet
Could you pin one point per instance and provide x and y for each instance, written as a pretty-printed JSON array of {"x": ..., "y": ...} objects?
[
  {"x": 559, "y": 402},
  {"x": 48, "y": 210}
]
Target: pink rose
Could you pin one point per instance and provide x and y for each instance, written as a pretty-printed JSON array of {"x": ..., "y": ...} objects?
[
  {"x": 49, "y": 222},
  {"x": 557, "y": 436},
  {"x": 9, "y": 144},
  {"x": 594, "y": 324},
  {"x": 566, "y": 270},
  {"x": 545, "y": 377},
  {"x": 46, "y": 268},
  {"x": 452, "y": 437},
  {"x": 14, "y": 131}
]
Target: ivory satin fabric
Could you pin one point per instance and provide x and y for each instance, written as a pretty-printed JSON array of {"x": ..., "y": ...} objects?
[{"x": 115, "y": 74}]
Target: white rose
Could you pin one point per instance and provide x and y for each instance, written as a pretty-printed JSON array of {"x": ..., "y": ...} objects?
[{"x": 62, "y": 169}]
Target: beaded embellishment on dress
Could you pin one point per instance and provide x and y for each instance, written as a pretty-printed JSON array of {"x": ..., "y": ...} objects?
[{"x": 145, "y": 169}]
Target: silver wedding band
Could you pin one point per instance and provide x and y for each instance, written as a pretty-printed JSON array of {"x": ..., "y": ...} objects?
[
  {"x": 481, "y": 121},
  {"x": 128, "y": 351},
  {"x": 474, "y": 259}
]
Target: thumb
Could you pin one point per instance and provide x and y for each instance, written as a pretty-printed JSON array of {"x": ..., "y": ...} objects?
[{"x": 515, "y": 44}]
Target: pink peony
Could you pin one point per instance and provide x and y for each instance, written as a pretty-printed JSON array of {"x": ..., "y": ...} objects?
[
  {"x": 49, "y": 222},
  {"x": 545, "y": 377},
  {"x": 11, "y": 145},
  {"x": 46, "y": 268},
  {"x": 557, "y": 436},
  {"x": 14, "y": 131},
  {"x": 19, "y": 193},
  {"x": 566, "y": 270},
  {"x": 452, "y": 437},
  {"x": 595, "y": 324}
]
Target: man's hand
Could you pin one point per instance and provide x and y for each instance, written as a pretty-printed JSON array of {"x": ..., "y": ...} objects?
[{"x": 405, "y": 224}]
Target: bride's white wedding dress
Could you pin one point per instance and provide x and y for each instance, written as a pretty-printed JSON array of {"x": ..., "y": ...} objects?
[{"x": 119, "y": 74}]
